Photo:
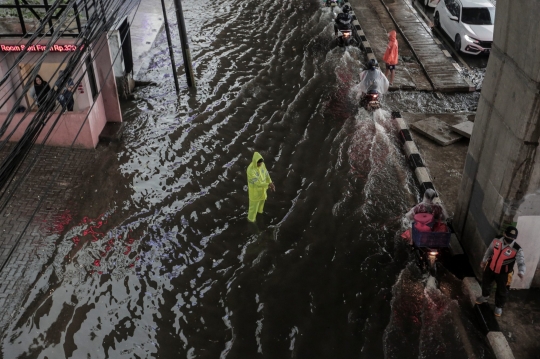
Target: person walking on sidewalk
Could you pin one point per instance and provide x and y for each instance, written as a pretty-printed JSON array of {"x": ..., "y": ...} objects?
[
  {"x": 391, "y": 56},
  {"x": 498, "y": 264},
  {"x": 258, "y": 183}
]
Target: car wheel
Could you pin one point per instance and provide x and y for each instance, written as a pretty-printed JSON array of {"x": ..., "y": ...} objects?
[
  {"x": 437, "y": 21},
  {"x": 457, "y": 43}
]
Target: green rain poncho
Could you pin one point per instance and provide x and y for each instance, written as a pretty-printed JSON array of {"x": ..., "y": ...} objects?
[{"x": 258, "y": 179}]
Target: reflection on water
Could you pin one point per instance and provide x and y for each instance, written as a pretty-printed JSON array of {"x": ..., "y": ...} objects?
[{"x": 175, "y": 270}]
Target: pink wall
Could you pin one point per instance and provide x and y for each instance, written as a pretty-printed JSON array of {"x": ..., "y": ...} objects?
[
  {"x": 109, "y": 91},
  {"x": 67, "y": 128},
  {"x": 106, "y": 107}
]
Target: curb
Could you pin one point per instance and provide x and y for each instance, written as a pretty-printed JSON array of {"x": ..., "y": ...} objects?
[
  {"x": 413, "y": 155},
  {"x": 470, "y": 285},
  {"x": 364, "y": 43},
  {"x": 496, "y": 338}
]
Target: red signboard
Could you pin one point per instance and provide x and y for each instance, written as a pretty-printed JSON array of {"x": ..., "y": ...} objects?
[{"x": 40, "y": 48}]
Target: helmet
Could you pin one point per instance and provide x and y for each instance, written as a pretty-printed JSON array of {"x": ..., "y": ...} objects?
[
  {"x": 430, "y": 194},
  {"x": 372, "y": 64},
  {"x": 511, "y": 232},
  {"x": 346, "y": 9}
]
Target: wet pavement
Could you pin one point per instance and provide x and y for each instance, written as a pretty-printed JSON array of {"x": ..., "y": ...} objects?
[
  {"x": 159, "y": 260},
  {"x": 376, "y": 24}
]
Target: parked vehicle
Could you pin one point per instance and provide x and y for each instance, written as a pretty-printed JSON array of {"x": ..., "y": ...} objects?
[
  {"x": 431, "y": 3},
  {"x": 468, "y": 22}
]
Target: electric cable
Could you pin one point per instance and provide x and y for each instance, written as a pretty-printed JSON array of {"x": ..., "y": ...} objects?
[
  {"x": 60, "y": 167},
  {"x": 13, "y": 161},
  {"x": 37, "y": 125},
  {"x": 36, "y": 70}
]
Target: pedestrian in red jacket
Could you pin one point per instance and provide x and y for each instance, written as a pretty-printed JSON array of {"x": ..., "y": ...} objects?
[{"x": 391, "y": 56}]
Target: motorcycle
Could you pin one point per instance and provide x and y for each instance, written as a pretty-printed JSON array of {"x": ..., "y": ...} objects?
[
  {"x": 429, "y": 240},
  {"x": 334, "y": 3},
  {"x": 331, "y": 3},
  {"x": 371, "y": 101}
]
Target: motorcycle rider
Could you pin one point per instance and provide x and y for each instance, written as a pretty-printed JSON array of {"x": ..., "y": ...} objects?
[
  {"x": 343, "y": 20},
  {"x": 373, "y": 79},
  {"x": 429, "y": 205}
]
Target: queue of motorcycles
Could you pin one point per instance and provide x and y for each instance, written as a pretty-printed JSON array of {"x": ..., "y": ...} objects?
[
  {"x": 343, "y": 22},
  {"x": 427, "y": 246},
  {"x": 334, "y": 3},
  {"x": 346, "y": 37}
]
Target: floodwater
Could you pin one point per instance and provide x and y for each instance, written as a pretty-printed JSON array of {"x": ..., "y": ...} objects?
[{"x": 174, "y": 270}]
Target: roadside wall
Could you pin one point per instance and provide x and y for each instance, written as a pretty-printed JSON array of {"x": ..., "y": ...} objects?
[{"x": 501, "y": 179}]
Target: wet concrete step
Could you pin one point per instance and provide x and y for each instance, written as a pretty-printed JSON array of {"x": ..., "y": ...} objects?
[
  {"x": 465, "y": 128},
  {"x": 112, "y": 132}
]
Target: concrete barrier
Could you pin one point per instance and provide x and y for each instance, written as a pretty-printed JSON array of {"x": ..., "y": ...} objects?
[
  {"x": 500, "y": 346},
  {"x": 472, "y": 289}
]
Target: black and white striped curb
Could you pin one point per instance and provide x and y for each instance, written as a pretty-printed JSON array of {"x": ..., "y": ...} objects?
[
  {"x": 364, "y": 43},
  {"x": 413, "y": 155}
]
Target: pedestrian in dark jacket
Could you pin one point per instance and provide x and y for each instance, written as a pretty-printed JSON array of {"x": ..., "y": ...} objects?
[
  {"x": 66, "y": 96},
  {"x": 41, "y": 90}
]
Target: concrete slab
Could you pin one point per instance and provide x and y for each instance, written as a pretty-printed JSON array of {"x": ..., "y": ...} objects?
[
  {"x": 465, "y": 128},
  {"x": 500, "y": 346},
  {"x": 436, "y": 130},
  {"x": 445, "y": 163}
]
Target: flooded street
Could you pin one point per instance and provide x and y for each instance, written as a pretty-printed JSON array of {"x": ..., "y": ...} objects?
[{"x": 173, "y": 269}]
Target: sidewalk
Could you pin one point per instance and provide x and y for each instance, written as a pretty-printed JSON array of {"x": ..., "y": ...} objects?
[
  {"x": 38, "y": 242},
  {"x": 145, "y": 27},
  {"x": 440, "y": 66},
  {"x": 376, "y": 24}
]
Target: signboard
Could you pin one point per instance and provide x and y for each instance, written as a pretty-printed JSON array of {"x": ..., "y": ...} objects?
[{"x": 40, "y": 48}]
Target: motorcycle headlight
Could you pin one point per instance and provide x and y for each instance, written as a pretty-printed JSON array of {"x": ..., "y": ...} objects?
[{"x": 470, "y": 39}]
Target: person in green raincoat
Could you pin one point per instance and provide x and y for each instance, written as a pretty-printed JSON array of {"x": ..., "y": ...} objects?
[{"x": 258, "y": 182}]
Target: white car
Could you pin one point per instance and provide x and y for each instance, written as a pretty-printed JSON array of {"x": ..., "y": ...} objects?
[
  {"x": 431, "y": 3},
  {"x": 468, "y": 22}
]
